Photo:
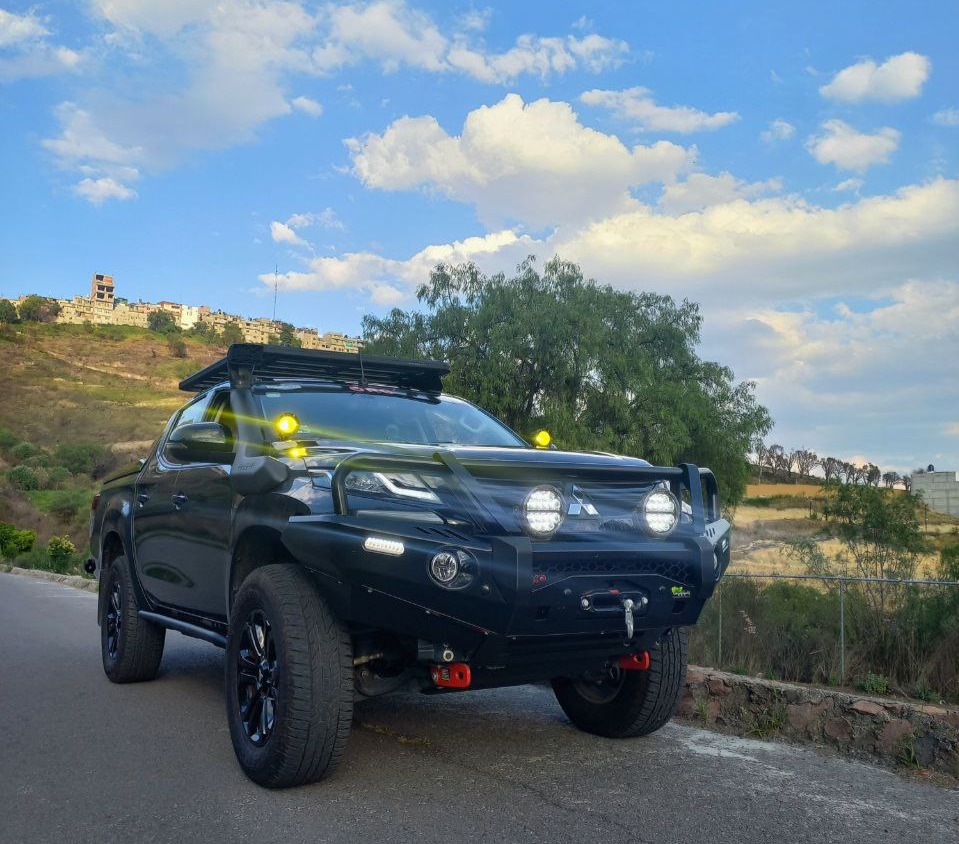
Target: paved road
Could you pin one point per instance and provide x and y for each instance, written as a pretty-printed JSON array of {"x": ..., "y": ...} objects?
[{"x": 84, "y": 760}]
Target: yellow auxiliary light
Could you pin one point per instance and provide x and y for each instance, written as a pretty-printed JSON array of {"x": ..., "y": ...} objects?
[
  {"x": 286, "y": 425},
  {"x": 297, "y": 451},
  {"x": 542, "y": 439}
]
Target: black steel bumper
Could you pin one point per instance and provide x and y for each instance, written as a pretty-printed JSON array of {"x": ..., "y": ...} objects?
[{"x": 530, "y": 603}]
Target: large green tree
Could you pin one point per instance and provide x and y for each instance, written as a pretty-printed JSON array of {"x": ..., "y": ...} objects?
[
  {"x": 601, "y": 368},
  {"x": 35, "y": 308}
]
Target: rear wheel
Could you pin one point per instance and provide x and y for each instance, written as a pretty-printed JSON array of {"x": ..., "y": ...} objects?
[
  {"x": 621, "y": 704},
  {"x": 289, "y": 679},
  {"x": 131, "y": 647}
]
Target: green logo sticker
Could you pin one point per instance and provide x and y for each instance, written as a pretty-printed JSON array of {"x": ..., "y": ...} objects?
[{"x": 681, "y": 592}]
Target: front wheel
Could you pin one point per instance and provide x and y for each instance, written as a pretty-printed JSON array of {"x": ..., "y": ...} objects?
[
  {"x": 621, "y": 704},
  {"x": 289, "y": 679}
]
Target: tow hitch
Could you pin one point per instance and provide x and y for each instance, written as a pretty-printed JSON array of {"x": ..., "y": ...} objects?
[{"x": 455, "y": 675}]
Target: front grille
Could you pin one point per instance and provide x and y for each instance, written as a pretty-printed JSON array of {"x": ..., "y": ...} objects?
[{"x": 672, "y": 569}]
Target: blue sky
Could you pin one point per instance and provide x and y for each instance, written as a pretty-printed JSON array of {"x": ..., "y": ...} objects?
[{"x": 792, "y": 167}]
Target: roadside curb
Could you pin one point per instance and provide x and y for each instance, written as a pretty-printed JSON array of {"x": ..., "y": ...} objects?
[
  {"x": 66, "y": 579},
  {"x": 905, "y": 734}
]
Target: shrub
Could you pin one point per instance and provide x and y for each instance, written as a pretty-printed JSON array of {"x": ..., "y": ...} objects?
[
  {"x": 67, "y": 503},
  {"x": 60, "y": 550},
  {"x": 7, "y": 439},
  {"x": 58, "y": 476},
  {"x": 82, "y": 458},
  {"x": 22, "y": 451},
  {"x": 14, "y": 542},
  {"x": 27, "y": 477},
  {"x": 177, "y": 347}
]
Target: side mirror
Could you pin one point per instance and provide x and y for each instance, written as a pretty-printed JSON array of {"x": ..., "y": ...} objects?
[{"x": 207, "y": 442}]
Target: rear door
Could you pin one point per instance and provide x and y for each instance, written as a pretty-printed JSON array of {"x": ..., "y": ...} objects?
[{"x": 155, "y": 523}]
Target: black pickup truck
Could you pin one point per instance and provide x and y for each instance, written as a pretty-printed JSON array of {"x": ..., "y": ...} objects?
[{"x": 344, "y": 530}]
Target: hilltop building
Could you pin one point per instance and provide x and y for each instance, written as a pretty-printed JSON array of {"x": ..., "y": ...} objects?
[
  {"x": 102, "y": 307},
  {"x": 939, "y": 490}
]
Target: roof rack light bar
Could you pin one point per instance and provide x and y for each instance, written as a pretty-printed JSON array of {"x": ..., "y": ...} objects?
[{"x": 247, "y": 363}]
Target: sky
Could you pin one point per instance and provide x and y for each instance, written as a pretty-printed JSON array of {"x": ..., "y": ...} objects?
[{"x": 792, "y": 167}]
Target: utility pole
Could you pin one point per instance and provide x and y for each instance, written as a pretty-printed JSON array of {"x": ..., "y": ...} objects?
[{"x": 276, "y": 268}]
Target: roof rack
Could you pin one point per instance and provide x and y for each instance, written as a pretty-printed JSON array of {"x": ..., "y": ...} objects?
[{"x": 247, "y": 363}]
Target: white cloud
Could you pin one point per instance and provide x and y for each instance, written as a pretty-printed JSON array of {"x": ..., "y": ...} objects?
[
  {"x": 779, "y": 130},
  {"x": 542, "y": 57},
  {"x": 946, "y": 117},
  {"x": 227, "y": 64},
  {"x": 841, "y": 145},
  {"x": 742, "y": 252},
  {"x": 16, "y": 29},
  {"x": 388, "y": 281},
  {"x": 700, "y": 191},
  {"x": 531, "y": 162},
  {"x": 394, "y": 35},
  {"x": 28, "y": 52},
  {"x": 98, "y": 191},
  {"x": 637, "y": 105},
  {"x": 898, "y": 78},
  {"x": 283, "y": 233},
  {"x": 818, "y": 370},
  {"x": 852, "y": 185},
  {"x": 164, "y": 18},
  {"x": 307, "y": 106},
  {"x": 235, "y": 65}
]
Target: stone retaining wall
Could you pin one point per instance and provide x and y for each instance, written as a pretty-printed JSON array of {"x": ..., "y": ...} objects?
[{"x": 896, "y": 732}]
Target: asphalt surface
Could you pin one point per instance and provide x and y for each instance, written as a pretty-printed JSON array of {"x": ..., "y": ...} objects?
[{"x": 82, "y": 760}]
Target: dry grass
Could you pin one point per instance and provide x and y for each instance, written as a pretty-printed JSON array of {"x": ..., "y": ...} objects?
[{"x": 769, "y": 490}]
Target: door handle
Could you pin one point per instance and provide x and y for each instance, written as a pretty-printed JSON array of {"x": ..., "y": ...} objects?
[
  {"x": 179, "y": 499},
  {"x": 143, "y": 497}
]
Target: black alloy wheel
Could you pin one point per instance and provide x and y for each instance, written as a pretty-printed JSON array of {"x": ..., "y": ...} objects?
[
  {"x": 131, "y": 646},
  {"x": 289, "y": 679},
  {"x": 257, "y": 678},
  {"x": 114, "y": 619}
]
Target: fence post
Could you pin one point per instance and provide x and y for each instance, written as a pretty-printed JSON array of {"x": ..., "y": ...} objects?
[
  {"x": 842, "y": 632},
  {"x": 719, "y": 655}
]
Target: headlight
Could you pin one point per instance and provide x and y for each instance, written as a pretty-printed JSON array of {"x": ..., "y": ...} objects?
[
  {"x": 543, "y": 511},
  {"x": 403, "y": 485},
  {"x": 659, "y": 513}
]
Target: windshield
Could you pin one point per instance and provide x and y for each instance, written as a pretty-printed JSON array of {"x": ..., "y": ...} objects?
[{"x": 379, "y": 415}]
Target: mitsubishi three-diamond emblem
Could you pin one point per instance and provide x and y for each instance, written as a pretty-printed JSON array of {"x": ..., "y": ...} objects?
[{"x": 580, "y": 504}]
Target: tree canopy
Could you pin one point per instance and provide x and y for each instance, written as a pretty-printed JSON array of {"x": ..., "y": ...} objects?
[
  {"x": 162, "y": 322},
  {"x": 35, "y": 308},
  {"x": 602, "y": 369}
]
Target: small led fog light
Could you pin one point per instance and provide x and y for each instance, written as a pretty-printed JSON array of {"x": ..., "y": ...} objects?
[{"x": 452, "y": 569}]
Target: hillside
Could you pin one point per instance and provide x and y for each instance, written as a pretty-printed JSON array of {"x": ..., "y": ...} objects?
[{"x": 62, "y": 385}]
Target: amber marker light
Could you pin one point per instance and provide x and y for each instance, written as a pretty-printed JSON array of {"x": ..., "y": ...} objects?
[
  {"x": 286, "y": 425},
  {"x": 542, "y": 439}
]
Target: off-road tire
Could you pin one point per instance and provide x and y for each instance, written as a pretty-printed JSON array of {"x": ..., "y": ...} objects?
[
  {"x": 312, "y": 682},
  {"x": 131, "y": 649},
  {"x": 639, "y": 702}
]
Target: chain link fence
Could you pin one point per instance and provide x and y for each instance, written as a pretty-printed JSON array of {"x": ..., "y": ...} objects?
[{"x": 880, "y": 634}]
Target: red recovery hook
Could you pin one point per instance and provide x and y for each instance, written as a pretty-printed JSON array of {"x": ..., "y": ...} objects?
[{"x": 635, "y": 662}]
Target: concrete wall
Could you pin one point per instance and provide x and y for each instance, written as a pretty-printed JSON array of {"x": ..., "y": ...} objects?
[{"x": 940, "y": 490}]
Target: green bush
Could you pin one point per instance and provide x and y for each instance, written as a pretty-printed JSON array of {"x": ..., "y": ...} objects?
[
  {"x": 14, "y": 542},
  {"x": 23, "y": 451},
  {"x": 82, "y": 458},
  {"x": 40, "y": 460},
  {"x": 27, "y": 477},
  {"x": 58, "y": 476},
  {"x": 60, "y": 550},
  {"x": 66, "y": 504},
  {"x": 7, "y": 439}
]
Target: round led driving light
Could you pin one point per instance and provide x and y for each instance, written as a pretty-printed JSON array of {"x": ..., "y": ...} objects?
[
  {"x": 543, "y": 511},
  {"x": 445, "y": 567},
  {"x": 660, "y": 512}
]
